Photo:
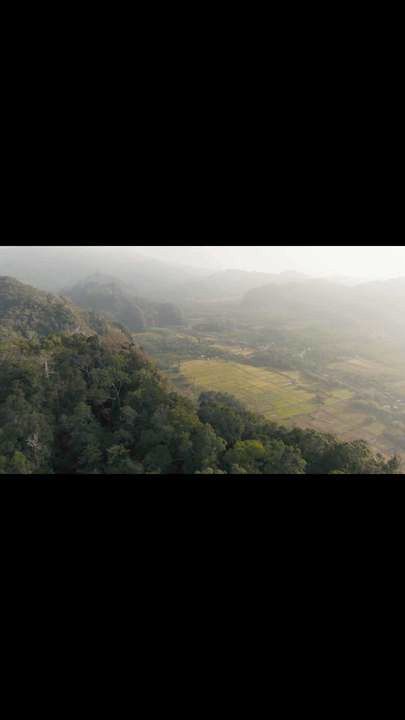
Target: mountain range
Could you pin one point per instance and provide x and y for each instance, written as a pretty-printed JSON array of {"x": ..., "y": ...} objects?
[
  {"x": 375, "y": 304},
  {"x": 78, "y": 398},
  {"x": 55, "y": 267},
  {"x": 142, "y": 292}
]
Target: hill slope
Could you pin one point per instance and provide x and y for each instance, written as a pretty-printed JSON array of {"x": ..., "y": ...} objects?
[
  {"x": 105, "y": 294},
  {"x": 77, "y": 400},
  {"x": 26, "y": 312}
]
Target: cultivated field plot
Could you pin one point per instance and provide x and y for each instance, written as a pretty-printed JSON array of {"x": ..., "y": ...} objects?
[
  {"x": 361, "y": 366},
  {"x": 349, "y": 426},
  {"x": 289, "y": 398},
  {"x": 398, "y": 389},
  {"x": 335, "y": 397},
  {"x": 380, "y": 371},
  {"x": 234, "y": 349},
  {"x": 273, "y": 394}
]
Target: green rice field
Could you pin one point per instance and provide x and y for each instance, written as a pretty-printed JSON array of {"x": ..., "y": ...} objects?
[
  {"x": 273, "y": 394},
  {"x": 287, "y": 397}
]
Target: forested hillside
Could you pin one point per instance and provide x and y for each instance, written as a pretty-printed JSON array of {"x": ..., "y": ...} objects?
[
  {"x": 104, "y": 294},
  {"x": 30, "y": 313},
  {"x": 82, "y": 399}
]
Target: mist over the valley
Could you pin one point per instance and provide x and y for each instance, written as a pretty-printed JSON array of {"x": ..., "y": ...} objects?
[
  {"x": 311, "y": 339},
  {"x": 303, "y": 283},
  {"x": 364, "y": 262},
  {"x": 370, "y": 262}
]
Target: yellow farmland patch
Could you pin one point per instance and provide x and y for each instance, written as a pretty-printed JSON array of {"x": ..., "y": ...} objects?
[
  {"x": 338, "y": 395},
  {"x": 272, "y": 394}
]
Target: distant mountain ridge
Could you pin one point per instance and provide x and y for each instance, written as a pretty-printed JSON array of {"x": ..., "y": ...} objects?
[
  {"x": 119, "y": 301},
  {"x": 55, "y": 267},
  {"x": 231, "y": 284},
  {"x": 380, "y": 303},
  {"x": 77, "y": 397}
]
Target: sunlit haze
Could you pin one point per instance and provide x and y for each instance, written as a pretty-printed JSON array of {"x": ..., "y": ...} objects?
[
  {"x": 368, "y": 261},
  {"x": 247, "y": 360}
]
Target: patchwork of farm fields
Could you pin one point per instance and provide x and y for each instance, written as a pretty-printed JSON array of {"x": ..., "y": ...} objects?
[
  {"x": 274, "y": 394},
  {"x": 289, "y": 398}
]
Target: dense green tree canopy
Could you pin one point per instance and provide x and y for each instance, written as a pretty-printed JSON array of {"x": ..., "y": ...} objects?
[
  {"x": 72, "y": 404},
  {"x": 87, "y": 401}
]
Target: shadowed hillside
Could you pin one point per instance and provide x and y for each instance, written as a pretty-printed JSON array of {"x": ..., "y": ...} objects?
[
  {"x": 26, "y": 312},
  {"x": 104, "y": 294},
  {"x": 77, "y": 397}
]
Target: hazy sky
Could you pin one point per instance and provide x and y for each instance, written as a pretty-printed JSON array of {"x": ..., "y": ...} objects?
[
  {"x": 370, "y": 261},
  {"x": 367, "y": 261}
]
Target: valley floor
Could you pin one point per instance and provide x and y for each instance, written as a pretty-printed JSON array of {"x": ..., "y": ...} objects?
[{"x": 358, "y": 398}]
